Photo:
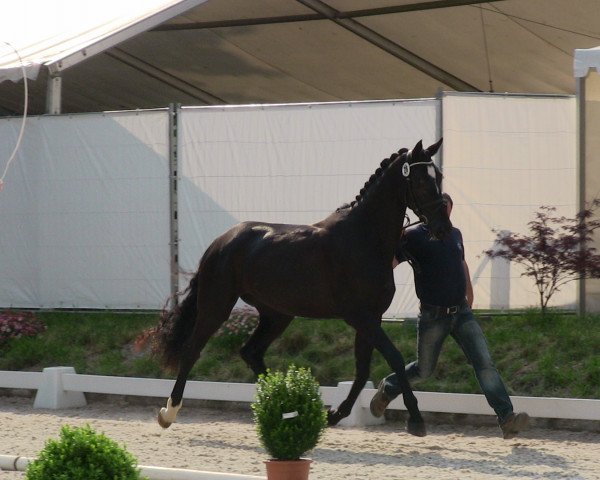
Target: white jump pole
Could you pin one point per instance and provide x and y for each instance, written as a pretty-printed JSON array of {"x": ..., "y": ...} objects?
[{"x": 15, "y": 463}]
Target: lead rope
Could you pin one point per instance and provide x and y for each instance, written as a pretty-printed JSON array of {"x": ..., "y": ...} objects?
[{"x": 25, "y": 106}]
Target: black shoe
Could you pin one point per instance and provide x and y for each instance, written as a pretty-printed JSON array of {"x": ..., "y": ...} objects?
[
  {"x": 380, "y": 400},
  {"x": 514, "y": 424}
]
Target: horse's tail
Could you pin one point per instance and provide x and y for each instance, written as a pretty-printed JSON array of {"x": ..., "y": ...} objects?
[{"x": 176, "y": 326}]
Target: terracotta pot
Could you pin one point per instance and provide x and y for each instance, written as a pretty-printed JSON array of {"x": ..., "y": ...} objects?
[{"x": 288, "y": 469}]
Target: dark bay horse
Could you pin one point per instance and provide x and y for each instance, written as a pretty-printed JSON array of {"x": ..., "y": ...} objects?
[{"x": 340, "y": 267}]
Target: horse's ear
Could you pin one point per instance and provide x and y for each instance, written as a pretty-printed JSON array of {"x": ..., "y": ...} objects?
[
  {"x": 418, "y": 149},
  {"x": 433, "y": 149}
]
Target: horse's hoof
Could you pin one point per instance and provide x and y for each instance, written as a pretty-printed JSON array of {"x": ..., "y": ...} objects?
[
  {"x": 166, "y": 416},
  {"x": 333, "y": 417},
  {"x": 416, "y": 428},
  {"x": 161, "y": 421}
]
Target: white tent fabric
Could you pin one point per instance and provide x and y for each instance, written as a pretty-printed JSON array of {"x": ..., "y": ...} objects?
[
  {"x": 64, "y": 32},
  {"x": 85, "y": 215},
  {"x": 283, "y": 51},
  {"x": 504, "y": 157},
  {"x": 288, "y": 164}
]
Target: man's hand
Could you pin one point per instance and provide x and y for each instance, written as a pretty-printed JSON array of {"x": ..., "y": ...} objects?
[{"x": 469, "y": 293}]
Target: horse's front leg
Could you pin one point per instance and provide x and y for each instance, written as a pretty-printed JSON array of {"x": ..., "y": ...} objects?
[
  {"x": 370, "y": 328},
  {"x": 363, "y": 351}
]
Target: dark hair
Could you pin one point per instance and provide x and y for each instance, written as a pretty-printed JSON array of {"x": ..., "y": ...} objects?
[{"x": 448, "y": 199}]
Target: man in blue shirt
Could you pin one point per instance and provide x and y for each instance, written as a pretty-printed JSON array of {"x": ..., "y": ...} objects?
[{"x": 443, "y": 286}]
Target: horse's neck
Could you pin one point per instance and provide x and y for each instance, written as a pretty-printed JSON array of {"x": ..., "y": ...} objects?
[{"x": 382, "y": 211}]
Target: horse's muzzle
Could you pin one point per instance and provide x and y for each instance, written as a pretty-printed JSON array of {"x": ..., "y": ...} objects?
[{"x": 440, "y": 227}]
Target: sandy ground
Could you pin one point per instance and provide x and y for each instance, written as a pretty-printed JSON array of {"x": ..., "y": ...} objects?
[{"x": 225, "y": 441}]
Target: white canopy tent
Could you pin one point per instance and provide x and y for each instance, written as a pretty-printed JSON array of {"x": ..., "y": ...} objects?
[
  {"x": 139, "y": 54},
  {"x": 61, "y": 34},
  {"x": 588, "y": 104}
]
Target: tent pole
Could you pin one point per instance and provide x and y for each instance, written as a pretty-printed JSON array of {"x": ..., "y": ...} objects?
[
  {"x": 54, "y": 93},
  {"x": 173, "y": 210},
  {"x": 581, "y": 193},
  {"x": 439, "y": 126}
]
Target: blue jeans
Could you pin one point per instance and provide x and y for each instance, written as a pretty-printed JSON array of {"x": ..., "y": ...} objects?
[{"x": 464, "y": 328}]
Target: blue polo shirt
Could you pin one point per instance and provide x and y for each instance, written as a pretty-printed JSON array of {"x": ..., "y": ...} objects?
[{"x": 439, "y": 272}]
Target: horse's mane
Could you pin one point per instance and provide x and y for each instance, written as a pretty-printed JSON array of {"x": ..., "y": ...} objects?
[{"x": 373, "y": 179}]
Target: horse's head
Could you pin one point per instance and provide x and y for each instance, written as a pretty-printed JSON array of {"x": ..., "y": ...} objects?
[{"x": 424, "y": 192}]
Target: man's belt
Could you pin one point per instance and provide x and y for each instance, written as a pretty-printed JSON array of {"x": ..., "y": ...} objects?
[{"x": 437, "y": 310}]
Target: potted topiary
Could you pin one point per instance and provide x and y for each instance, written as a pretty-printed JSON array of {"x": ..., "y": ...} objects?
[
  {"x": 290, "y": 419},
  {"x": 83, "y": 454}
]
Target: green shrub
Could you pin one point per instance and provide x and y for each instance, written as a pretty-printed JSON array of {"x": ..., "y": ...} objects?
[
  {"x": 82, "y": 454},
  {"x": 289, "y": 413}
]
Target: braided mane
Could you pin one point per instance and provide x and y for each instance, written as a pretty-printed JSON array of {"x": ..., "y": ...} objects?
[{"x": 373, "y": 179}]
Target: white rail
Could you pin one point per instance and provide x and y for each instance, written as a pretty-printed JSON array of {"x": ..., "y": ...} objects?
[
  {"x": 15, "y": 463},
  {"x": 61, "y": 387},
  {"x": 27, "y": 380}
]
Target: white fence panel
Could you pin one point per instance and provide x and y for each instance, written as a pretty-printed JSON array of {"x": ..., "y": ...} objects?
[
  {"x": 85, "y": 212},
  {"x": 57, "y": 382},
  {"x": 27, "y": 380},
  {"x": 505, "y": 156},
  {"x": 85, "y": 207},
  {"x": 288, "y": 164}
]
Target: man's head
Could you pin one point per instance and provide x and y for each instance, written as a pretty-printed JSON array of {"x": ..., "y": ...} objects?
[{"x": 448, "y": 201}]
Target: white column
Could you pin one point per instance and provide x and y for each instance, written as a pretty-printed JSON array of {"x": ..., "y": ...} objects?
[
  {"x": 51, "y": 393},
  {"x": 54, "y": 94}
]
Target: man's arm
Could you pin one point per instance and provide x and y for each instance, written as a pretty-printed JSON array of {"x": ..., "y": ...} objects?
[{"x": 469, "y": 285}]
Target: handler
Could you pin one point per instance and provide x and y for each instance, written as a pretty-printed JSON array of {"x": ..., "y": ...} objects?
[{"x": 443, "y": 286}]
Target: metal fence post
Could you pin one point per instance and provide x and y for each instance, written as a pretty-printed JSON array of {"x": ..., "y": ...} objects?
[{"x": 173, "y": 209}]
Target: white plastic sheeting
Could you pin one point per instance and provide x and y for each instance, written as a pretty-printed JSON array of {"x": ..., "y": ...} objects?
[
  {"x": 288, "y": 164},
  {"x": 504, "y": 157},
  {"x": 84, "y": 213}
]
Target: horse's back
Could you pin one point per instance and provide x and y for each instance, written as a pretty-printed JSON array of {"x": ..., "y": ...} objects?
[
  {"x": 252, "y": 246},
  {"x": 282, "y": 266},
  {"x": 305, "y": 270}
]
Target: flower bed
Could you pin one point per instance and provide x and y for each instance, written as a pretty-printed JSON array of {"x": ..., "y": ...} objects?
[{"x": 19, "y": 324}]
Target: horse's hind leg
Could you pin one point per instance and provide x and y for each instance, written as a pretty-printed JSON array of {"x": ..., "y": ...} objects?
[
  {"x": 211, "y": 315},
  {"x": 363, "y": 352},
  {"x": 270, "y": 326}
]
